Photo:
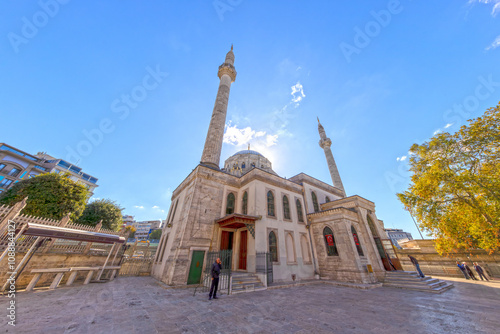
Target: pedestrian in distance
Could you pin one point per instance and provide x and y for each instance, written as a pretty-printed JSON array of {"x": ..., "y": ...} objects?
[
  {"x": 215, "y": 272},
  {"x": 462, "y": 269},
  {"x": 471, "y": 274},
  {"x": 417, "y": 266},
  {"x": 480, "y": 271}
]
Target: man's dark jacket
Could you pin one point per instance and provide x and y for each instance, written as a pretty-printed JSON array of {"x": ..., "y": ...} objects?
[
  {"x": 216, "y": 268},
  {"x": 479, "y": 269}
]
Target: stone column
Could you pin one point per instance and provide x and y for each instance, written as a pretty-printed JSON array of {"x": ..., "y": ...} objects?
[
  {"x": 213, "y": 143},
  {"x": 325, "y": 144}
]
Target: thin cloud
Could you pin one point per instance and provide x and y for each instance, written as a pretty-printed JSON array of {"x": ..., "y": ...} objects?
[
  {"x": 238, "y": 137},
  {"x": 297, "y": 92},
  {"x": 494, "y": 45},
  {"x": 403, "y": 158},
  {"x": 235, "y": 136},
  {"x": 138, "y": 207},
  {"x": 448, "y": 125},
  {"x": 155, "y": 207},
  {"x": 271, "y": 140},
  {"x": 437, "y": 131},
  {"x": 496, "y": 5}
]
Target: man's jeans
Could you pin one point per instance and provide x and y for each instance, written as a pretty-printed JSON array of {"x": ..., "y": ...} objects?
[{"x": 420, "y": 273}]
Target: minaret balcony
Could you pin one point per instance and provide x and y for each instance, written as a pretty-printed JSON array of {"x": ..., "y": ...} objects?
[
  {"x": 325, "y": 143},
  {"x": 228, "y": 69}
]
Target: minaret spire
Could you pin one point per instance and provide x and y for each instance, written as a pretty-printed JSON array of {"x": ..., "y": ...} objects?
[
  {"x": 325, "y": 144},
  {"x": 213, "y": 143}
]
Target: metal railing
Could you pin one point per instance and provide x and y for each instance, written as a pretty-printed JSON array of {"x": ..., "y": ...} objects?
[
  {"x": 264, "y": 265},
  {"x": 10, "y": 215},
  {"x": 225, "y": 280}
]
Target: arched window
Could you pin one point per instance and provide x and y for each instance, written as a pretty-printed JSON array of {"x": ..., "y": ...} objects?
[
  {"x": 331, "y": 247},
  {"x": 230, "y": 204},
  {"x": 290, "y": 249},
  {"x": 306, "y": 257},
  {"x": 327, "y": 199},
  {"x": 243, "y": 166},
  {"x": 315, "y": 201},
  {"x": 299, "y": 210},
  {"x": 356, "y": 241},
  {"x": 270, "y": 203},
  {"x": 273, "y": 246},
  {"x": 286, "y": 207},
  {"x": 253, "y": 164},
  {"x": 244, "y": 206}
]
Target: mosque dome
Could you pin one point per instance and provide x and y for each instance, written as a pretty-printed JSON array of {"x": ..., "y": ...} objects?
[
  {"x": 247, "y": 152},
  {"x": 243, "y": 161}
]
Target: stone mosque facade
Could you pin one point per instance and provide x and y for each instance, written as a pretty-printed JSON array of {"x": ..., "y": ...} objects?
[{"x": 309, "y": 228}]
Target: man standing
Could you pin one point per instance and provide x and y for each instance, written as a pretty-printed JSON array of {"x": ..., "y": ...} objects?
[
  {"x": 471, "y": 274},
  {"x": 480, "y": 271},
  {"x": 215, "y": 272},
  {"x": 462, "y": 269},
  {"x": 417, "y": 266}
]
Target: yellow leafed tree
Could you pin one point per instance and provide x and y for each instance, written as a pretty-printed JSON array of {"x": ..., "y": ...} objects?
[{"x": 455, "y": 186}]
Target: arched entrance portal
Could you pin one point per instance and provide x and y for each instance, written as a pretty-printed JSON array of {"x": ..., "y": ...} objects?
[{"x": 385, "y": 249}]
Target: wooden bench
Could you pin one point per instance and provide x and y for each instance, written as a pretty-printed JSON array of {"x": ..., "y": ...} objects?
[
  {"x": 38, "y": 273},
  {"x": 74, "y": 271}
]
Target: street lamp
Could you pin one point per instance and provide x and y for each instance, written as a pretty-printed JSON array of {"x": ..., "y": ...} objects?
[{"x": 416, "y": 225}]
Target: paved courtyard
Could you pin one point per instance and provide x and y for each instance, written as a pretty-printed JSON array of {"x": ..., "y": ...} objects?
[{"x": 141, "y": 305}]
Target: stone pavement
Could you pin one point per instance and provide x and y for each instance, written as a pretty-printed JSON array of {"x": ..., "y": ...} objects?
[{"x": 141, "y": 305}]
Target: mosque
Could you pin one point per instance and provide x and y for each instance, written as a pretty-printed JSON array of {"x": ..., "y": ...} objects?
[{"x": 308, "y": 228}]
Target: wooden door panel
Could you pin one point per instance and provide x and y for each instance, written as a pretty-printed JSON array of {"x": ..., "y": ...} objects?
[
  {"x": 243, "y": 251},
  {"x": 196, "y": 267}
]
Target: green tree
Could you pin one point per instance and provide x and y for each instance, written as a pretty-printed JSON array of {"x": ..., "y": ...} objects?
[
  {"x": 50, "y": 195},
  {"x": 455, "y": 186},
  {"x": 102, "y": 209},
  {"x": 155, "y": 235}
]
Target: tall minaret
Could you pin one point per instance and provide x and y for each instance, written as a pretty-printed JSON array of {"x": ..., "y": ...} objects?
[
  {"x": 213, "y": 143},
  {"x": 325, "y": 144}
]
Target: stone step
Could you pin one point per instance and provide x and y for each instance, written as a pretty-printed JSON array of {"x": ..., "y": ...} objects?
[
  {"x": 246, "y": 279},
  {"x": 234, "y": 292},
  {"x": 415, "y": 284},
  {"x": 244, "y": 286},
  {"x": 241, "y": 273},
  {"x": 402, "y": 273},
  {"x": 246, "y": 282},
  {"x": 426, "y": 280},
  {"x": 411, "y": 281},
  {"x": 439, "y": 289}
]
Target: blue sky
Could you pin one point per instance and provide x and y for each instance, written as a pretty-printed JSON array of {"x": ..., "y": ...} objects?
[{"x": 126, "y": 88}]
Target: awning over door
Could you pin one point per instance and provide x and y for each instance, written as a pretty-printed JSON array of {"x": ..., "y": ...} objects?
[{"x": 237, "y": 220}]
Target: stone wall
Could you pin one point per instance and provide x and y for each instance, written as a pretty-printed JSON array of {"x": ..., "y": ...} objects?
[
  {"x": 348, "y": 265},
  {"x": 432, "y": 263},
  {"x": 50, "y": 260}
]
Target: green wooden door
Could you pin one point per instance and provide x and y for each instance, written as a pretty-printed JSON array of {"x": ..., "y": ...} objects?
[{"x": 196, "y": 267}]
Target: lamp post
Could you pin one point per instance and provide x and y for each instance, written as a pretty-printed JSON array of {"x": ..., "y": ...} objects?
[{"x": 416, "y": 225}]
